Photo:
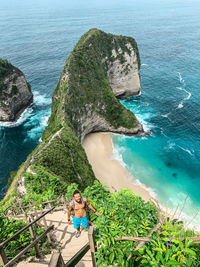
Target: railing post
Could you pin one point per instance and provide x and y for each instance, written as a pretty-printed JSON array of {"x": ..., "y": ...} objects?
[
  {"x": 37, "y": 252},
  {"x": 64, "y": 202},
  {"x": 3, "y": 258},
  {"x": 49, "y": 205},
  {"x": 45, "y": 226},
  {"x": 56, "y": 260},
  {"x": 36, "y": 215},
  {"x": 92, "y": 246},
  {"x": 13, "y": 210}
]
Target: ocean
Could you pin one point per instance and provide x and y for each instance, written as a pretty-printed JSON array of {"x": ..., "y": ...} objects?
[{"x": 37, "y": 37}]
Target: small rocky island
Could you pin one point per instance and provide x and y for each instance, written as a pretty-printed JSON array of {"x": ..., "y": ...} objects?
[{"x": 15, "y": 92}]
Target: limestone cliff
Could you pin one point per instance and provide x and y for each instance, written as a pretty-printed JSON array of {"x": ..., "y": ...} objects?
[
  {"x": 101, "y": 67},
  {"x": 124, "y": 77},
  {"x": 15, "y": 92}
]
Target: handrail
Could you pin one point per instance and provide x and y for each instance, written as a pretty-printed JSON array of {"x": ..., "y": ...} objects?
[
  {"x": 78, "y": 256},
  {"x": 37, "y": 204},
  {"x": 17, "y": 207},
  {"x": 24, "y": 228},
  {"x": 29, "y": 246},
  {"x": 57, "y": 259}
]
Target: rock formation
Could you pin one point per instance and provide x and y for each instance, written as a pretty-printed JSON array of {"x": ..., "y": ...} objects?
[
  {"x": 15, "y": 92},
  {"x": 124, "y": 77},
  {"x": 100, "y": 68}
]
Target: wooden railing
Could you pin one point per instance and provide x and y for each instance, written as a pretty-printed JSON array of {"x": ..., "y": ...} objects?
[
  {"x": 3, "y": 258},
  {"x": 57, "y": 260},
  {"x": 32, "y": 209}
]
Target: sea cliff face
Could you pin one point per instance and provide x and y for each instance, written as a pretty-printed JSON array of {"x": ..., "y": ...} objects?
[
  {"x": 15, "y": 92},
  {"x": 101, "y": 67},
  {"x": 124, "y": 77}
]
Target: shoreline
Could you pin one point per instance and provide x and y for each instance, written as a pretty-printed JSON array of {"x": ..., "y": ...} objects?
[
  {"x": 108, "y": 170},
  {"x": 111, "y": 172}
]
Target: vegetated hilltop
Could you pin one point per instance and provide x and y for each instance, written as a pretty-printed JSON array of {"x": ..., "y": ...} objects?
[
  {"x": 100, "y": 67},
  {"x": 84, "y": 102},
  {"x": 15, "y": 92}
]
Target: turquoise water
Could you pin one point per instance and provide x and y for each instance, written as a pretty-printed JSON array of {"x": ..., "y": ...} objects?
[{"x": 37, "y": 36}]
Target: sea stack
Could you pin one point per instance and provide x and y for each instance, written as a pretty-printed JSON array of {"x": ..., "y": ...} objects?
[{"x": 15, "y": 92}]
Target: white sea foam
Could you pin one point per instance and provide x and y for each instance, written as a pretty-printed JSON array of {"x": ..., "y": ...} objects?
[
  {"x": 37, "y": 123},
  {"x": 22, "y": 118},
  {"x": 143, "y": 119},
  {"x": 41, "y": 99},
  {"x": 117, "y": 156},
  {"x": 186, "y": 150},
  {"x": 165, "y": 115},
  {"x": 144, "y": 64},
  {"x": 44, "y": 121},
  {"x": 150, "y": 190},
  {"x": 180, "y": 105},
  {"x": 181, "y": 78}
]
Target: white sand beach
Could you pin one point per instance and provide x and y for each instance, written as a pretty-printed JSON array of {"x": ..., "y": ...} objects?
[{"x": 109, "y": 171}]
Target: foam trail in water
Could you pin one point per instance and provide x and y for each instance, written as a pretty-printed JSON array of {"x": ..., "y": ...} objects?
[
  {"x": 165, "y": 115},
  {"x": 180, "y": 78},
  {"x": 183, "y": 89},
  {"x": 186, "y": 150},
  {"x": 144, "y": 64}
]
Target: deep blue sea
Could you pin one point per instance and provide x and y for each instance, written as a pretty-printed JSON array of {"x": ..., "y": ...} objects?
[{"x": 37, "y": 36}]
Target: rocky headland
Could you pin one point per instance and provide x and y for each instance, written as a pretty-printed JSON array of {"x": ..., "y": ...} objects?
[
  {"x": 15, "y": 92},
  {"x": 101, "y": 68}
]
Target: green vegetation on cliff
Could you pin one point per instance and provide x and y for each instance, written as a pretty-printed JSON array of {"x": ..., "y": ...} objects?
[
  {"x": 82, "y": 94},
  {"x": 5, "y": 68},
  {"x": 84, "y": 88}
]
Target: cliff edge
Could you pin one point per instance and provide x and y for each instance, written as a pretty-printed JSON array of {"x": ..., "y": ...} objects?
[{"x": 15, "y": 92}]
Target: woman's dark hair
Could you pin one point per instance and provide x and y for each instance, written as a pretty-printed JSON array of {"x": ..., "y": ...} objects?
[{"x": 76, "y": 192}]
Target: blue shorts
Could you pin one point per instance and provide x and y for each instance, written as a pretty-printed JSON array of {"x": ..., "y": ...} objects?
[{"x": 78, "y": 221}]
